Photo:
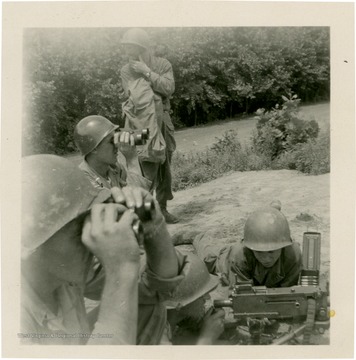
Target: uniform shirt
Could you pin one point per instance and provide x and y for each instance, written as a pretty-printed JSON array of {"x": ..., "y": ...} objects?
[
  {"x": 118, "y": 176},
  {"x": 285, "y": 272},
  {"x": 162, "y": 83},
  {"x": 39, "y": 325},
  {"x": 161, "y": 78},
  {"x": 236, "y": 262},
  {"x": 71, "y": 326},
  {"x": 153, "y": 291}
]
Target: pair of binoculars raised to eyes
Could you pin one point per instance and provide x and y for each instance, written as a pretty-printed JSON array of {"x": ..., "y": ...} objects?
[
  {"x": 144, "y": 213},
  {"x": 140, "y": 136}
]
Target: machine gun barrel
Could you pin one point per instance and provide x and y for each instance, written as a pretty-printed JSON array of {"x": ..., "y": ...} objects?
[{"x": 222, "y": 303}]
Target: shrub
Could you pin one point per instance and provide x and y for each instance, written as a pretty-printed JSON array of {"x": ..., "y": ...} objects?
[
  {"x": 227, "y": 154},
  {"x": 189, "y": 170},
  {"x": 282, "y": 128},
  {"x": 313, "y": 157},
  {"x": 224, "y": 156},
  {"x": 228, "y": 143}
]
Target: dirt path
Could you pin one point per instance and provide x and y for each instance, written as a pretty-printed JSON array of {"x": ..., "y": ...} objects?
[{"x": 194, "y": 139}]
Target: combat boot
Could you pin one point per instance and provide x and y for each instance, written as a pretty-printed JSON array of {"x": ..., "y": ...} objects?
[{"x": 170, "y": 219}]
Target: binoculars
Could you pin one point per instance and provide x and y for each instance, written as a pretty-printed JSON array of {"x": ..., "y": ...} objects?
[
  {"x": 140, "y": 136},
  {"x": 144, "y": 213}
]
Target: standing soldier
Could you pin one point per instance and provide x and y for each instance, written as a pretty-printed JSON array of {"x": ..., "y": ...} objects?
[{"x": 148, "y": 83}]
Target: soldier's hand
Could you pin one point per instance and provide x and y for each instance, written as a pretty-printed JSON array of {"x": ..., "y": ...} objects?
[
  {"x": 125, "y": 143},
  {"x": 213, "y": 326},
  {"x": 139, "y": 67},
  {"x": 111, "y": 240},
  {"x": 133, "y": 197}
]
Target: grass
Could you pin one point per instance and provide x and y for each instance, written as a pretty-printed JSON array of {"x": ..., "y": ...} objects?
[{"x": 227, "y": 155}]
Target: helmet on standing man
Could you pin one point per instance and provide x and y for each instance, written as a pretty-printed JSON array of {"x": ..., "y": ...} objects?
[{"x": 136, "y": 36}]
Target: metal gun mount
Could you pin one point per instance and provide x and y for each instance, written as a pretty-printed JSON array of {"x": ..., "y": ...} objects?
[
  {"x": 275, "y": 303},
  {"x": 307, "y": 302}
]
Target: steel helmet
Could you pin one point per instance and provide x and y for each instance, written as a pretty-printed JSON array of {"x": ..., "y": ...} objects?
[
  {"x": 266, "y": 229},
  {"x": 136, "y": 36},
  {"x": 90, "y": 131},
  {"x": 54, "y": 192},
  {"x": 197, "y": 282}
]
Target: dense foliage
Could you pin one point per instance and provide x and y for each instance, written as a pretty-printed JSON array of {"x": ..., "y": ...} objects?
[
  {"x": 282, "y": 128},
  {"x": 219, "y": 72},
  {"x": 227, "y": 155}
]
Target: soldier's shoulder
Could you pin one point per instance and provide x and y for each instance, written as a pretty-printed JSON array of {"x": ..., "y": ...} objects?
[
  {"x": 163, "y": 62},
  {"x": 239, "y": 251},
  {"x": 293, "y": 251},
  {"x": 125, "y": 68}
]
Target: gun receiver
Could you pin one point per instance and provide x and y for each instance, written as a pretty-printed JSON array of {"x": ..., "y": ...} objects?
[
  {"x": 307, "y": 302},
  {"x": 275, "y": 303}
]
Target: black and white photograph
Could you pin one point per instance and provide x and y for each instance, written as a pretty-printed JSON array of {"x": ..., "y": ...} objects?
[{"x": 180, "y": 181}]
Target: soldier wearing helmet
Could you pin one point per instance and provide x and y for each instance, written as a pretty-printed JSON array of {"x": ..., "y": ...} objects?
[
  {"x": 149, "y": 79},
  {"x": 65, "y": 223},
  {"x": 266, "y": 256},
  {"x": 104, "y": 164},
  {"x": 187, "y": 308}
]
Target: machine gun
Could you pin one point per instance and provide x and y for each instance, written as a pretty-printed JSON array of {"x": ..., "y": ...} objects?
[{"x": 306, "y": 302}]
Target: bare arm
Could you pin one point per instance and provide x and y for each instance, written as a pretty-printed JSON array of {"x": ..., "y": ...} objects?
[
  {"x": 115, "y": 245},
  {"x": 125, "y": 142},
  {"x": 118, "y": 308}
]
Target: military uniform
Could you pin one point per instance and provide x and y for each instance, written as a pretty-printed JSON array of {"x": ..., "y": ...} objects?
[
  {"x": 162, "y": 83},
  {"x": 237, "y": 262}
]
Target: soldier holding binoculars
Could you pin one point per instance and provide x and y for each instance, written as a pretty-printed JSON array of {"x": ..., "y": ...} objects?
[
  {"x": 110, "y": 157},
  {"x": 65, "y": 221}
]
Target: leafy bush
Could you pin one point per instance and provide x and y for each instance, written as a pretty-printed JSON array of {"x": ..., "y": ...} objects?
[
  {"x": 313, "y": 157},
  {"x": 282, "y": 128},
  {"x": 227, "y": 155},
  {"x": 224, "y": 156}
]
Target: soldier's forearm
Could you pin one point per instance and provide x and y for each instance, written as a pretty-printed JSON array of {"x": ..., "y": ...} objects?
[
  {"x": 161, "y": 256},
  {"x": 118, "y": 308}
]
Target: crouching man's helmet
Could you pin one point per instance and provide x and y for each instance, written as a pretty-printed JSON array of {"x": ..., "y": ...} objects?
[
  {"x": 54, "y": 192},
  {"x": 90, "y": 131},
  {"x": 196, "y": 283},
  {"x": 266, "y": 229}
]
